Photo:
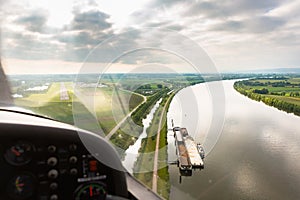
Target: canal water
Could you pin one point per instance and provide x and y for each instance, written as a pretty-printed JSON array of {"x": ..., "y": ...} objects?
[
  {"x": 133, "y": 150},
  {"x": 257, "y": 155}
]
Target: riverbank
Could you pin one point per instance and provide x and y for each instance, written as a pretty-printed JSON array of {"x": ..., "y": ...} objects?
[
  {"x": 282, "y": 94},
  {"x": 132, "y": 152},
  {"x": 146, "y": 159},
  {"x": 133, "y": 124}
]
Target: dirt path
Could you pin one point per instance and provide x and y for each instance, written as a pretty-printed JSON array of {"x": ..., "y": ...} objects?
[{"x": 155, "y": 166}]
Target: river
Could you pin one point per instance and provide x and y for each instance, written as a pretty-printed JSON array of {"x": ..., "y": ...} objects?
[{"x": 257, "y": 155}]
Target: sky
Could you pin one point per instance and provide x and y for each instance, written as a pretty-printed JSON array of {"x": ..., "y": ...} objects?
[{"x": 41, "y": 36}]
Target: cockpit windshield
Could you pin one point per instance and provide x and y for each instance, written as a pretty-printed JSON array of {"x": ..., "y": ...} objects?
[{"x": 185, "y": 91}]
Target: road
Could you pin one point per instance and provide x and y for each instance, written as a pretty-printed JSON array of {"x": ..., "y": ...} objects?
[
  {"x": 108, "y": 136},
  {"x": 155, "y": 166}
]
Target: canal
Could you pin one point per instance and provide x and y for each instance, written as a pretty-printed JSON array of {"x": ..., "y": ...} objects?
[{"x": 133, "y": 150}]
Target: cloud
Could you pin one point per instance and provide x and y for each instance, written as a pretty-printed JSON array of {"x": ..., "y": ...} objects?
[
  {"x": 82, "y": 38},
  {"x": 34, "y": 22},
  {"x": 167, "y": 3},
  {"x": 264, "y": 24},
  {"x": 175, "y": 27},
  {"x": 207, "y": 9},
  {"x": 28, "y": 47},
  {"x": 83, "y": 34},
  {"x": 240, "y": 16},
  {"x": 39, "y": 41},
  {"x": 164, "y": 24},
  {"x": 261, "y": 24},
  {"x": 111, "y": 49},
  {"x": 229, "y": 8},
  {"x": 241, "y": 6},
  {"x": 91, "y": 20},
  {"x": 227, "y": 28}
]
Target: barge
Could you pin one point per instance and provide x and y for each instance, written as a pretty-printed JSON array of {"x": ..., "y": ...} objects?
[{"x": 190, "y": 155}]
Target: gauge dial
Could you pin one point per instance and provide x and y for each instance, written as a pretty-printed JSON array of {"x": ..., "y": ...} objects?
[
  {"x": 19, "y": 154},
  {"x": 90, "y": 191},
  {"x": 21, "y": 187}
]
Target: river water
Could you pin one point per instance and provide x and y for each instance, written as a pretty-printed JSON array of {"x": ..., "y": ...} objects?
[{"x": 257, "y": 155}]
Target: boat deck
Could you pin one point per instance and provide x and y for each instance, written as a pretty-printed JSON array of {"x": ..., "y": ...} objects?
[{"x": 187, "y": 152}]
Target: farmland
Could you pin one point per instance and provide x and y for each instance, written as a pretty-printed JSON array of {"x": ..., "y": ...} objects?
[
  {"x": 280, "y": 92},
  {"x": 106, "y": 105}
]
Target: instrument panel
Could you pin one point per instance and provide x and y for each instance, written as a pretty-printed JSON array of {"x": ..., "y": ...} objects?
[
  {"x": 50, "y": 171},
  {"x": 51, "y": 163}
]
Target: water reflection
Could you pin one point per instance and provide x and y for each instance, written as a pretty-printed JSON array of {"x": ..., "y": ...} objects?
[{"x": 256, "y": 156}]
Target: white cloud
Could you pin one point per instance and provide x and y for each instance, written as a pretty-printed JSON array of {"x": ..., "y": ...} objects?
[
  {"x": 235, "y": 33},
  {"x": 288, "y": 10}
]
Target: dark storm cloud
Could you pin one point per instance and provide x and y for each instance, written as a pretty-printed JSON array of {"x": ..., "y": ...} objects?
[{"x": 34, "y": 22}]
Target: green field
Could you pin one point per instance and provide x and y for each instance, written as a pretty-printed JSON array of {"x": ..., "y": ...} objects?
[
  {"x": 110, "y": 105},
  {"x": 276, "y": 89},
  {"x": 52, "y": 94},
  {"x": 292, "y": 100},
  {"x": 294, "y": 80}
]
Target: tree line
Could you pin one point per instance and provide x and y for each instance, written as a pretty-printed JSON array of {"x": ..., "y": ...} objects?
[
  {"x": 141, "y": 113},
  {"x": 272, "y": 84},
  {"x": 271, "y": 101}
]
